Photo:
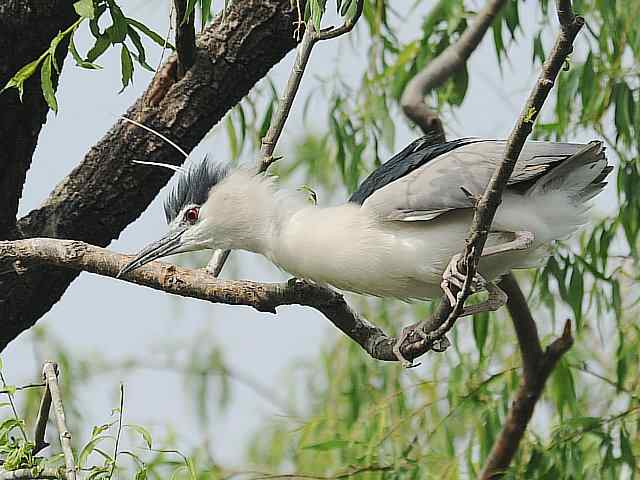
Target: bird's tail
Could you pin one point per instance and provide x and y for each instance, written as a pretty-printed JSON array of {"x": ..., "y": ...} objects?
[{"x": 579, "y": 177}]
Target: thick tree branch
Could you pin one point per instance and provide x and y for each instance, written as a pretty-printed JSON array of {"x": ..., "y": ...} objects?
[
  {"x": 185, "y": 37},
  {"x": 523, "y": 405},
  {"x": 26, "y": 29},
  {"x": 442, "y": 68},
  {"x": 107, "y": 191},
  {"x": 524, "y": 325},
  {"x": 265, "y": 297}
]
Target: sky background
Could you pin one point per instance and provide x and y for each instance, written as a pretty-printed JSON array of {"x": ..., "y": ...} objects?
[{"x": 116, "y": 321}]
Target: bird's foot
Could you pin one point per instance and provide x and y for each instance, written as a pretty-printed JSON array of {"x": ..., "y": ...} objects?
[
  {"x": 452, "y": 276},
  {"x": 404, "y": 334},
  {"x": 438, "y": 345}
]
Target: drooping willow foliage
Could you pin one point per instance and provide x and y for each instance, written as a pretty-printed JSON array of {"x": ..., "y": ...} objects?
[{"x": 350, "y": 414}]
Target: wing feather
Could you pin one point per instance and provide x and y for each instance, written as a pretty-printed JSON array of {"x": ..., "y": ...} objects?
[{"x": 444, "y": 183}]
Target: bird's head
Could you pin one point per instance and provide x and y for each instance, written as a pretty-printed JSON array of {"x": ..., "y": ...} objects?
[{"x": 188, "y": 208}]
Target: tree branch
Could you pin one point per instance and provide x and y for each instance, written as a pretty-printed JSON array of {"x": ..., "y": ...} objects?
[
  {"x": 264, "y": 297},
  {"x": 185, "y": 37},
  {"x": 106, "y": 192},
  {"x": 441, "y": 68},
  {"x": 446, "y": 314},
  {"x": 523, "y": 405},
  {"x": 50, "y": 374},
  {"x": 524, "y": 325}
]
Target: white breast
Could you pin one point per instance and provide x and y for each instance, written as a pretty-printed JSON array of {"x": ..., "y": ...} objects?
[{"x": 350, "y": 248}]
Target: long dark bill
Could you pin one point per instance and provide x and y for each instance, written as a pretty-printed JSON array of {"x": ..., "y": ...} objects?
[{"x": 160, "y": 248}]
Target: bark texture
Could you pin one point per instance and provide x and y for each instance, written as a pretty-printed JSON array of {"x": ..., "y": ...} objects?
[
  {"x": 107, "y": 191},
  {"x": 26, "y": 29}
]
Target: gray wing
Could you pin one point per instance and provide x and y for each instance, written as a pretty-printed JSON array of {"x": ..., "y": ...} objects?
[{"x": 439, "y": 185}]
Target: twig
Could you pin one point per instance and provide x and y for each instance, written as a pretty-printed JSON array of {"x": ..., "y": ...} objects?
[
  {"x": 268, "y": 144},
  {"x": 442, "y": 67},
  {"x": 185, "y": 37},
  {"x": 118, "y": 433},
  {"x": 309, "y": 39},
  {"x": 50, "y": 374},
  {"x": 41, "y": 421},
  {"x": 13, "y": 406}
]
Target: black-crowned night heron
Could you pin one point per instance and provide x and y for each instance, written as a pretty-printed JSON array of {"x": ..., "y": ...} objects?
[{"x": 398, "y": 232}]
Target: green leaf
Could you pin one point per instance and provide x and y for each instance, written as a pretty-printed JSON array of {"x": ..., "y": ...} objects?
[
  {"x": 266, "y": 121},
  {"x": 118, "y": 30},
  {"x": 47, "y": 84},
  {"x": 626, "y": 450},
  {"x": 205, "y": 9},
  {"x": 84, "y": 8},
  {"x": 8, "y": 389},
  {"x": 150, "y": 33},
  {"x": 563, "y": 387},
  {"x": 328, "y": 445},
  {"x": 22, "y": 75},
  {"x": 481, "y": 331},
  {"x": 137, "y": 42},
  {"x": 143, "y": 432},
  {"x": 9, "y": 424},
  {"x": 89, "y": 448},
  {"x": 101, "y": 45},
  {"x": 78, "y": 58},
  {"x": 232, "y": 137},
  {"x": 127, "y": 66}
]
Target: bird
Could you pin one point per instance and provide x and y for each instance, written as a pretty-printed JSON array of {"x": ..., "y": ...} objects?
[{"x": 398, "y": 232}]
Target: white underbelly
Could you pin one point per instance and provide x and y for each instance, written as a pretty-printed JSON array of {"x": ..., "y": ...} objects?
[{"x": 345, "y": 248}]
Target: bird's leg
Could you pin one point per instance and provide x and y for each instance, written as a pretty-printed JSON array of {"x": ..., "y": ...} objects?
[
  {"x": 497, "y": 298},
  {"x": 521, "y": 241},
  {"x": 453, "y": 276}
]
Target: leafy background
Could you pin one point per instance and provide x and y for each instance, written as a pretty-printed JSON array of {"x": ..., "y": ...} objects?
[{"x": 238, "y": 391}]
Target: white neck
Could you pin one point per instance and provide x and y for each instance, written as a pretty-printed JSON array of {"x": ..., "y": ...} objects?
[{"x": 249, "y": 212}]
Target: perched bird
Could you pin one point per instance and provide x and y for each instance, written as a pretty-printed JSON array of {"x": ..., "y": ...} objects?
[{"x": 398, "y": 232}]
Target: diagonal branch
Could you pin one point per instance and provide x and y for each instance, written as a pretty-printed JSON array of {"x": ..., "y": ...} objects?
[
  {"x": 50, "y": 374},
  {"x": 524, "y": 325},
  {"x": 446, "y": 314},
  {"x": 441, "y": 68}
]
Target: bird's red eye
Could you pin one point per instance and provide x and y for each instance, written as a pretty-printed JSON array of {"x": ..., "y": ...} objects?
[{"x": 191, "y": 215}]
